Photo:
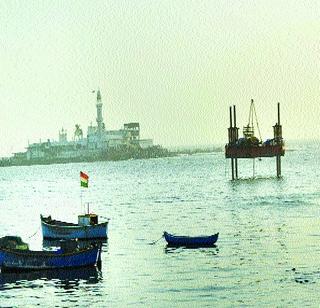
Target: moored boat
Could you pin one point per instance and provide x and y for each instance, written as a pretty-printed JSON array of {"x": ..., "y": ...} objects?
[
  {"x": 87, "y": 228},
  {"x": 68, "y": 256},
  {"x": 190, "y": 241}
]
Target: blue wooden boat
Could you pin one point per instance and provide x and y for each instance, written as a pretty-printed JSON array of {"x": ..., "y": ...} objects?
[
  {"x": 24, "y": 259},
  {"x": 190, "y": 241},
  {"x": 87, "y": 228}
]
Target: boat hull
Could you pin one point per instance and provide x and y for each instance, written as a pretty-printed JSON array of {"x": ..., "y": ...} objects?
[
  {"x": 72, "y": 231},
  {"x": 188, "y": 241},
  {"x": 26, "y": 260}
]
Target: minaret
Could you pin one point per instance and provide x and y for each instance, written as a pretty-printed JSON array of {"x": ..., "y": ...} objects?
[{"x": 99, "y": 113}]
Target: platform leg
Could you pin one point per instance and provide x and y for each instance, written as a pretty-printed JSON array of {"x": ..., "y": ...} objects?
[
  {"x": 236, "y": 166},
  {"x": 278, "y": 160},
  {"x": 232, "y": 169},
  {"x": 279, "y": 166}
]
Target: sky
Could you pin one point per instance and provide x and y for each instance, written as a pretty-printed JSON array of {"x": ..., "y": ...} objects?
[{"x": 173, "y": 66}]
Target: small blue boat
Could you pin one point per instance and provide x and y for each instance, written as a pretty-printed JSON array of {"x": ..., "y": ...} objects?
[
  {"x": 12, "y": 259},
  {"x": 190, "y": 241},
  {"x": 87, "y": 228}
]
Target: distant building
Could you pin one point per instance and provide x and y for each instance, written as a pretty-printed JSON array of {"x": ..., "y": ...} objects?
[{"x": 97, "y": 141}]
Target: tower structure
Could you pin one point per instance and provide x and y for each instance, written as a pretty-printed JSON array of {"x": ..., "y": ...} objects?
[{"x": 100, "y": 123}]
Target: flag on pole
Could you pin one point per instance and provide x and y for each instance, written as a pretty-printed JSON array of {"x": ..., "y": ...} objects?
[{"x": 84, "y": 179}]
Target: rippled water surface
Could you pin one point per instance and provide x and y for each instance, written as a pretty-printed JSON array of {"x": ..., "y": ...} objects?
[{"x": 267, "y": 253}]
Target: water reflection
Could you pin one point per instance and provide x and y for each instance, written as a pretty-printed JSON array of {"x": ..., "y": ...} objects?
[
  {"x": 61, "y": 278},
  {"x": 213, "y": 250}
]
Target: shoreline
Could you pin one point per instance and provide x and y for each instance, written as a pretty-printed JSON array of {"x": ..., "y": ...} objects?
[{"x": 126, "y": 153}]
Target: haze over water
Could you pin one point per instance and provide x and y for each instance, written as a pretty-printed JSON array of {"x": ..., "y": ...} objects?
[
  {"x": 172, "y": 66},
  {"x": 267, "y": 253}
]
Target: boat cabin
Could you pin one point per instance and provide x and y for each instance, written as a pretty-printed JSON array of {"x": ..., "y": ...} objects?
[{"x": 87, "y": 219}]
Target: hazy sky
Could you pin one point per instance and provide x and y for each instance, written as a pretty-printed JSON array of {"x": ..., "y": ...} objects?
[{"x": 173, "y": 66}]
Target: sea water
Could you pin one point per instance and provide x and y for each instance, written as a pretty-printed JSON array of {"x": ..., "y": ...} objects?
[{"x": 267, "y": 252}]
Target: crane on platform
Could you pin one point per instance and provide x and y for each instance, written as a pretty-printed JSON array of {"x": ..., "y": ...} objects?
[{"x": 248, "y": 131}]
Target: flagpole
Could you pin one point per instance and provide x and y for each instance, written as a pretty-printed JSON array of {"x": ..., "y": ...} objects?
[
  {"x": 84, "y": 179},
  {"x": 81, "y": 197}
]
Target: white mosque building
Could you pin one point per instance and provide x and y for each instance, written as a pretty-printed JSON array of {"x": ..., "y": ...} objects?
[{"x": 98, "y": 140}]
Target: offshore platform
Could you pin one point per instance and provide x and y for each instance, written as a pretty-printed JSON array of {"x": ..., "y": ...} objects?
[{"x": 249, "y": 146}]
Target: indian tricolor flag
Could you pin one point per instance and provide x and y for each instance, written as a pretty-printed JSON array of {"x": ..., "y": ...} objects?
[{"x": 84, "y": 179}]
